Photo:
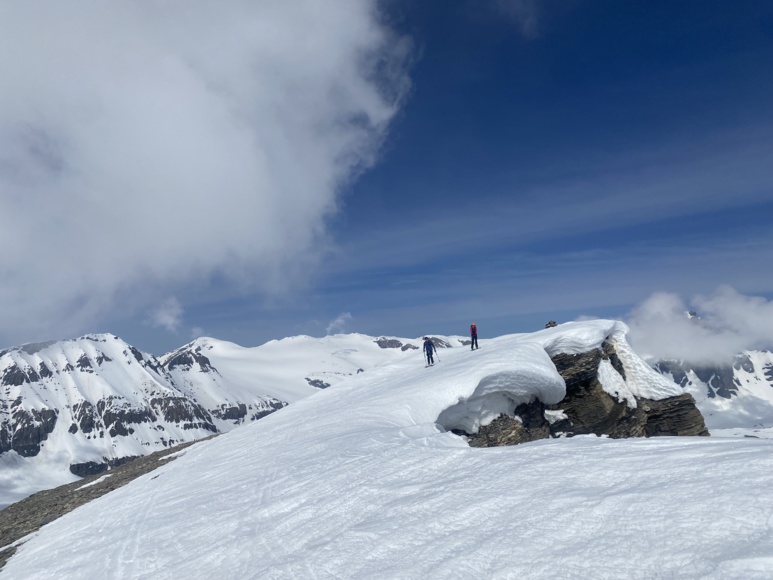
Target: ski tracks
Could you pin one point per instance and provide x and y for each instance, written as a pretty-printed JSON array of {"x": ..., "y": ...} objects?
[{"x": 127, "y": 564}]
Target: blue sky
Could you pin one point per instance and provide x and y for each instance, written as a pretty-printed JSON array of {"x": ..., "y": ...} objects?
[
  {"x": 619, "y": 150},
  {"x": 550, "y": 160}
]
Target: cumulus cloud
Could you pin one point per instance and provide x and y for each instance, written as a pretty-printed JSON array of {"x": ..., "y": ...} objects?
[
  {"x": 338, "y": 324},
  {"x": 147, "y": 147},
  {"x": 727, "y": 323},
  {"x": 168, "y": 315}
]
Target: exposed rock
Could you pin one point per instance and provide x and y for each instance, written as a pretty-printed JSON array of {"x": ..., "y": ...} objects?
[
  {"x": 117, "y": 414},
  {"x": 29, "y": 429},
  {"x": 187, "y": 359},
  {"x": 439, "y": 342},
  {"x": 89, "y": 468},
  {"x": 183, "y": 411},
  {"x": 591, "y": 410},
  {"x": 319, "y": 383},
  {"x": 588, "y": 409},
  {"x": 551, "y": 324},
  {"x": 84, "y": 364},
  {"x": 673, "y": 416},
  {"x": 527, "y": 424},
  {"x": 13, "y": 376},
  {"x": 388, "y": 343},
  {"x": 232, "y": 413},
  {"x": 408, "y": 347},
  {"x": 86, "y": 415},
  {"x": 44, "y": 372}
]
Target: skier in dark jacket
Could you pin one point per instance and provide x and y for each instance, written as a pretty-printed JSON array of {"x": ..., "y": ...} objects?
[
  {"x": 429, "y": 350},
  {"x": 473, "y": 336}
]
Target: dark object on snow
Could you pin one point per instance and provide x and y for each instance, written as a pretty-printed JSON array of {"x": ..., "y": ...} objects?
[
  {"x": 388, "y": 343},
  {"x": 588, "y": 409},
  {"x": 473, "y": 336},
  {"x": 319, "y": 383},
  {"x": 429, "y": 351},
  {"x": 551, "y": 324}
]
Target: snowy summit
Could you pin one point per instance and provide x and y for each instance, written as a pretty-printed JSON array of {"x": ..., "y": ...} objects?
[{"x": 361, "y": 480}]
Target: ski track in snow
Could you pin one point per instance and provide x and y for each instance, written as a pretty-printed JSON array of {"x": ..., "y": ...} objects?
[{"x": 358, "y": 481}]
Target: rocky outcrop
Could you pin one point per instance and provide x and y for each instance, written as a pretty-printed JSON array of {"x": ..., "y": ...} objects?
[
  {"x": 27, "y": 429},
  {"x": 588, "y": 409},
  {"x": 384, "y": 342},
  {"x": 319, "y": 383},
  {"x": 528, "y": 423}
]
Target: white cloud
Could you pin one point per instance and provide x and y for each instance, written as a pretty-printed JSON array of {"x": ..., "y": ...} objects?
[
  {"x": 338, "y": 325},
  {"x": 168, "y": 315},
  {"x": 728, "y": 323},
  {"x": 149, "y": 147}
]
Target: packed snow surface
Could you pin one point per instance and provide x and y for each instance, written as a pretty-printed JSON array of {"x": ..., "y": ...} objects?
[{"x": 360, "y": 481}]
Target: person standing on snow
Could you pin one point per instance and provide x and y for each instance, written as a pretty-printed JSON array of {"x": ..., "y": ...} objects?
[
  {"x": 473, "y": 336},
  {"x": 429, "y": 350}
]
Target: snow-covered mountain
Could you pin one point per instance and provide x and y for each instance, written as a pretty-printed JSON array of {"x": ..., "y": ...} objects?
[
  {"x": 363, "y": 481},
  {"x": 733, "y": 396},
  {"x": 74, "y": 407}
]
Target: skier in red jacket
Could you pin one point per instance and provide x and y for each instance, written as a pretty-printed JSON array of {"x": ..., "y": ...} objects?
[{"x": 473, "y": 336}]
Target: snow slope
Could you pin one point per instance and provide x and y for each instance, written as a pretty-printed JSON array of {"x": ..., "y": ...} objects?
[
  {"x": 360, "y": 481},
  {"x": 103, "y": 400},
  {"x": 284, "y": 369}
]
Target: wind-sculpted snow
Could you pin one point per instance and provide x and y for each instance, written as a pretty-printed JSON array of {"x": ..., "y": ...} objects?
[{"x": 359, "y": 481}]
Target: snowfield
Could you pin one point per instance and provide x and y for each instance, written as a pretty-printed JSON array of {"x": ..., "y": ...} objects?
[{"x": 362, "y": 480}]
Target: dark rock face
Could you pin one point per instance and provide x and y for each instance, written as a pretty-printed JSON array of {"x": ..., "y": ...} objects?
[
  {"x": 117, "y": 415},
  {"x": 184, "y": 412},
  {"x": 86, "y": 416},
  {"x": 527, "y": 424},
  {"x": 187, "y": 359},
  {"x": 93, "y": 468},
  {"x": 233, "y": 413},
  {"x": 673, "y": 416},
  {"x": 13, "y": 376},
  {"x": 439, "y": 342},
  {"x": 318, "y": 383},
  {"x": 44, "y": 372},
  {"x": 84, "y": 364},
  {"x": 388, "y": 343},
  {"x": 720, "y": 379},
  {"x": 590, "y": 410},
  {"x": 30, "y": 429},
  {"x": 273, "y": 405}
]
